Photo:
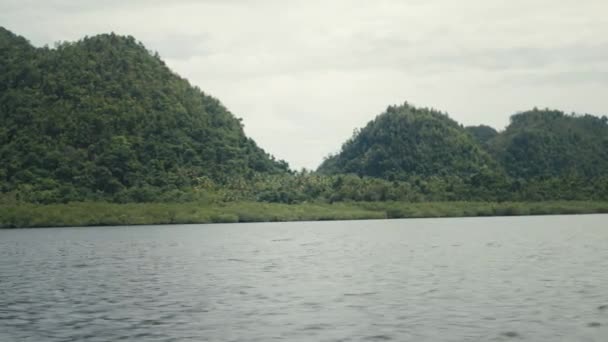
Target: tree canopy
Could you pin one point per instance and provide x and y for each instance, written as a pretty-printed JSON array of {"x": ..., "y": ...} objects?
[
  {"x": 406, "y": 141},
  {"x": 482, "y": 133},
  {"x": 104, "y": 115},
  {"x": 548, "y": 143}
]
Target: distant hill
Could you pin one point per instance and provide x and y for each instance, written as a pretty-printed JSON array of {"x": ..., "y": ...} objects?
[
  {"x": 406, "y": 141},
  {"x": 550, "y": 143},
  {"x": 103, "y": 115}
]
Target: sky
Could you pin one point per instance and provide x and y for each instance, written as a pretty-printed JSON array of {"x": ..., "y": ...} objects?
[{"x": 304, "y": 74}]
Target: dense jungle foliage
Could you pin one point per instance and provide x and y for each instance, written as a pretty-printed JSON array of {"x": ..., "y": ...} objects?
[
  {"x": 550, "y": 143},
  {"x": 406, "y": 141},
  {"x": 482, "y": 133},
  {"x": 541, "y": 155},
  {"x": 103, "y": 119}
]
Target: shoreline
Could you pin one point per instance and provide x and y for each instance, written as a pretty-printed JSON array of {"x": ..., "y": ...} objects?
[
  {"x": 299, "y": 221},
  {"x": 96, "y": 214}
]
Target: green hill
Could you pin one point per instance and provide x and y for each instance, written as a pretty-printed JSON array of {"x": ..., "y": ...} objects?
[
  {"x": 550, "y": 143},
  {"x": 406, "y": 141},
  {"x": 105, "y": 118}
]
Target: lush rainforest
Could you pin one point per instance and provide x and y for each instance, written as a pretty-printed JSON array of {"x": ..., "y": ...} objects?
[
  {"x": 406, "y": 141},
  {"x": 541, "y": 155},
  {"x": 104, "y": 119}
]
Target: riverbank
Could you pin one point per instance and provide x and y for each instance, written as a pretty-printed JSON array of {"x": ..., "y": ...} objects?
[{"x": 102, "y": 214}]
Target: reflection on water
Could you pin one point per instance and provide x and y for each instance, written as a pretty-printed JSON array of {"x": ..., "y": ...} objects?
[{"x": 482, "y": 279}]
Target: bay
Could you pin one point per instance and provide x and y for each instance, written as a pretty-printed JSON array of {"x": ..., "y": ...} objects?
[{"x": 542, "y": 278}]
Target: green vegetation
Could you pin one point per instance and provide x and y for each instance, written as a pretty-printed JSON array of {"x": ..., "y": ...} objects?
[
  {"x": 100, "y": 213},
  {"x": 542, "y": 155},
  {"x": 105, "y": 119},
  {"x": 406, "y": 141},
  {"x": 100, "y": 131},
  {"x": 304, "y": 186},
  {"x": 550, "y": 143},
  {"x": 482, "y": 133}
]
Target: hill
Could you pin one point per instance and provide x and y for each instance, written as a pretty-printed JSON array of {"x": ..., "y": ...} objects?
[
  {"x": 105, "y": 118},
  {"x": 550, "y": 143},
  {"x": 406, "y": 141}
]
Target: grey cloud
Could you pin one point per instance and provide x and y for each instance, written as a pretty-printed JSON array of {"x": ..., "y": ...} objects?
[
  {"x": 180, "y": 46},
  {"x": 599, "y": 77},
  {"x": 572, "y": 55},
  {"x": 77, "y": 6}
]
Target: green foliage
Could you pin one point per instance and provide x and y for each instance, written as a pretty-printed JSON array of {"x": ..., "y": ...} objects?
[
  {"x": 486, "y": 185},
  {"x": 549, "y": 143},
  {"x": 542, "y": 156},
  {"x": 100, "y": 213},
  {"x": 406, "y": 141},
  {"x": 103, "y": 118},
  {"x": 482, "y": 133}
]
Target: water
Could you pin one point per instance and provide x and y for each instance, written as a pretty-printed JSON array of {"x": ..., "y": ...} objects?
[{"x": 478, "y": 279}]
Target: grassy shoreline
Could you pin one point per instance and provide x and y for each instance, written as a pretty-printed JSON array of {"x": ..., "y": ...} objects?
[{"x": 104, "y": 214}]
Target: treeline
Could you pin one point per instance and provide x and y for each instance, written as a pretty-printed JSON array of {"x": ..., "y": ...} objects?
[{"x": 308, "y": 187}]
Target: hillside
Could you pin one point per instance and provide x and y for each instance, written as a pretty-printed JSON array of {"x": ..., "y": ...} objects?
[
  {"x": 550, "y": 143},
  {"x": 406, "y": 141},
  {"x": 105, "y": 118}
]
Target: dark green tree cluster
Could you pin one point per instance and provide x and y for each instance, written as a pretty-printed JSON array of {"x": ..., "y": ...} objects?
[
  {"x": 482, "y": 133},
  {"x": 302, "y": 187},
  {"x": 103, "y": 118},
  {"x": 550, "y": 143},
  {"x": 541, "y": 155},
  {"x": 406, "y": 141}
]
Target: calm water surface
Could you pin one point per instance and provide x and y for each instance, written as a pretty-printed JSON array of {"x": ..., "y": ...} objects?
[{"x": 478, "y": 279}]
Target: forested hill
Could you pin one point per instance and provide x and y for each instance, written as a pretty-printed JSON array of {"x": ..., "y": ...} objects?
[
  {"x": 539, "y": 144},
  {"x": 105, "y": 117},
  {"x": 549, "y": 143},
  {"x": 406, "y": 141}
]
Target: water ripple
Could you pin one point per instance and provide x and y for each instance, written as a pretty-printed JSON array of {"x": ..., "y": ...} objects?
[{"x": 493, "y": 279}]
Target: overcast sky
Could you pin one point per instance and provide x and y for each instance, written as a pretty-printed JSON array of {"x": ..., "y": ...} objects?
[{"x": 304, "y": 74}]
